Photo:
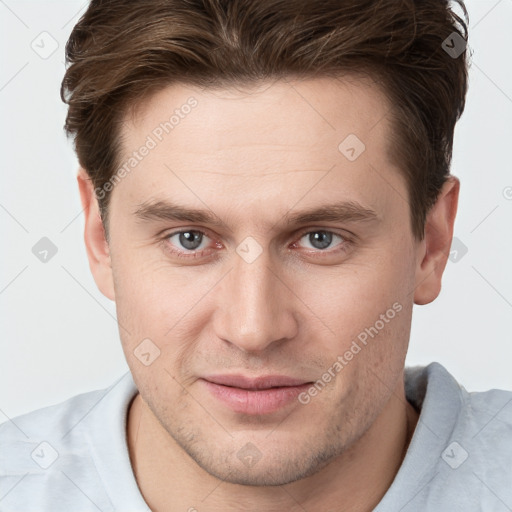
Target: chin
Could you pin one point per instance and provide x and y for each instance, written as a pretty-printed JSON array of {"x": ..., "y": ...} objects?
[
  {"x": 263, "y": 476},
  {"x": 279, "y": 468}
]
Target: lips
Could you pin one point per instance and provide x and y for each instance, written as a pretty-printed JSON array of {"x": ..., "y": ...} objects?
[
  {"x": 255, "y": 395},
  {"x": 255, "y": 383}
]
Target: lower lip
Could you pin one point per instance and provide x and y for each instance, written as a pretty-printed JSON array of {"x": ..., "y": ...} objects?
[{"x": 263, "y": 401}]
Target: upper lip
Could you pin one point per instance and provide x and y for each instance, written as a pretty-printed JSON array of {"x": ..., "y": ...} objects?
[{"x": 262, "y": 382}]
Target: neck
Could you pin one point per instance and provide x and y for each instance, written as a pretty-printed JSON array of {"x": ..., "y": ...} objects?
[{"x": 355, "y": 481}]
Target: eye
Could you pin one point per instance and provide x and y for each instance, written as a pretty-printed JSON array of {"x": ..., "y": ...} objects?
[
  {"x": 193, "y": 243},
  {"x": 321, "y": 239},
  {"x": 187, "y": 240}
]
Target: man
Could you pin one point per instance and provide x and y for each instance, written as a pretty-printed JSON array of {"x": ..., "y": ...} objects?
[{"x": 267, "y": 194}]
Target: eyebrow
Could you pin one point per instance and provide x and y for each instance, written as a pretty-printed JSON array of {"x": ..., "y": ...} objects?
[{"x": 345, "y": 211}]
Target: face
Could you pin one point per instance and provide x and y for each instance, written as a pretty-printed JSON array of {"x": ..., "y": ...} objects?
[{"x": 286, "y": 297}]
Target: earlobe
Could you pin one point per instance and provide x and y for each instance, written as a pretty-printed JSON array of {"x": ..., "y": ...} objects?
[
  {"x": 434, "y": 249},
  {"x": 96, "y": 244}
]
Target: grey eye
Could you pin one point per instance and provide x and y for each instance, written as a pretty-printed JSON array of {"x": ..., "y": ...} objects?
[
  {"x": 190, "y": 240},
  {"x": 321, "y": 239}
]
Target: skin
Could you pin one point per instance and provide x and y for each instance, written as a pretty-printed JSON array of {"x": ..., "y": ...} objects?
[{"x": 251, "y": 156}]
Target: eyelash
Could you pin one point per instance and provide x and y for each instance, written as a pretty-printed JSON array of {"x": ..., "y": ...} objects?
[{"x": 343, "y": 246}]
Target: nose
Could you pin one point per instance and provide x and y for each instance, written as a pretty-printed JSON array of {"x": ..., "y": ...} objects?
[{"x": 255, "y": 305}]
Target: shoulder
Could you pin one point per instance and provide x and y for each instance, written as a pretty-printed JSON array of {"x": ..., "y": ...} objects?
[
  {"x": 485, "y": 424},
  {"x": 435, "y": 390},
  {"x": 47, "y": 455},
  {"x": 21, "y": 435},
  {"x": 493, "y": 404},
  {"x": 461, "y": 452},
  {"x": 482, "y": 420},
  {"x": 483, "y": 417},
  {"x": 477, "y": 459},
  {"x": 46, "y": 419}
]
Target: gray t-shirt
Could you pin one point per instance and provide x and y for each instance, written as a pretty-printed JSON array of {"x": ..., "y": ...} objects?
[{"x": 73, "y": 457}]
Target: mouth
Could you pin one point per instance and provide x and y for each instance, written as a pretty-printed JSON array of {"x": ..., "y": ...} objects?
[{"x": 255, "y": 395}]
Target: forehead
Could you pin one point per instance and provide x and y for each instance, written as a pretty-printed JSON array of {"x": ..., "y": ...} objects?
[
  {"x": 294, "y": 111},
  {"x": 300, "y": 140}
]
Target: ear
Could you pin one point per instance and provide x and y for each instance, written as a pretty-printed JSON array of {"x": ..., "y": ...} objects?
[
  {"x": 434, "y": 249},
  {"x": 96, "y": 244}
]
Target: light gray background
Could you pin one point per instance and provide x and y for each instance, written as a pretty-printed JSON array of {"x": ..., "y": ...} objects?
[{"x": 58, "y": 333}]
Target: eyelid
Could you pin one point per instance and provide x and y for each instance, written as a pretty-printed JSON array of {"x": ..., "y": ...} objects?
[
  {"x": 167, "y": 235},
  {"x": 316, "y": 229},
  {"x": 346, "y": 241}
]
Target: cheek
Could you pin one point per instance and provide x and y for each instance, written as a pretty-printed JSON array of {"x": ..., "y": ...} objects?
[
  {"x": 369, "y": 312},
  {"x": 148, "y": 289},
  {"x": 353, "y": 297},
  {"x": 158, "y": 310},
  {"x": 367, "y": 308}
]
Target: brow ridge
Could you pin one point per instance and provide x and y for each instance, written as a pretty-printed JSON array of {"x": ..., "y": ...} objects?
[{"x": 344, "y": 211}]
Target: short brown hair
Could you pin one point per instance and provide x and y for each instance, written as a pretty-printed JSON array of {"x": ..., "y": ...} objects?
[{"x": 121, "y": 51}]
